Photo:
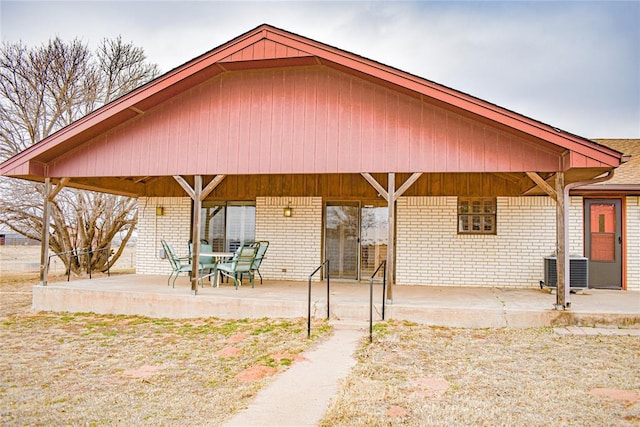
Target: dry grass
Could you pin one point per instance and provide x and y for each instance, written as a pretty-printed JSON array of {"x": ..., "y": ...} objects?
[
  {"x": 89, "y": 369},
  {"x": 415, "y": 376}
]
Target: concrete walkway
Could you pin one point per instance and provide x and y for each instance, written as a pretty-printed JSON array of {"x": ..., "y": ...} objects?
[{"x": 301, "y": 394}]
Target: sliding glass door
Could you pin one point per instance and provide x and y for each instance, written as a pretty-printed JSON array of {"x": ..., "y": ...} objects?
[
  {"x": 373, "y": 239},
  {"x": 341, "y": 239},
  {"x": 227, "y": 226},
  {"x": 241, "y": 225},
  {"x": 355, "y": 239}
]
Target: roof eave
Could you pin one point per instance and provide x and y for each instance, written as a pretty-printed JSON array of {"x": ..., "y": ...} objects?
[{"x": 608, "y": 189}]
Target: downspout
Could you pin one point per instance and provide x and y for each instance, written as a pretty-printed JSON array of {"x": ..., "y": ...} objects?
[
  {"x": 598, "y": 180},
  {"x": 565, "y": 194}
]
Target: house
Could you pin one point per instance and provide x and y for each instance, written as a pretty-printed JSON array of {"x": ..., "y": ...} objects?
[
  {"x": 368, "y": 162},
  {"x": 9, "y": 237}
]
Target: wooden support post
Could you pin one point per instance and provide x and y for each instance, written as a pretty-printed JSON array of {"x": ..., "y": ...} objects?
[
  {"x": 562, "y": 244},
  {"x": 44, "y": 241},
  {"x": 197, "y": 194},
  {"x": 563, "y": 260},
  {"x": 391, "y": 203},
  {"x": 195, "y": 240},
  {"x": 391, "y": 195},
  {"x": 49, "y": 195},
  {"x": 567, "y": 252}
]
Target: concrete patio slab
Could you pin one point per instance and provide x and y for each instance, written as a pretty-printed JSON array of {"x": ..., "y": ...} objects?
[{"x": 442, "y": 306}]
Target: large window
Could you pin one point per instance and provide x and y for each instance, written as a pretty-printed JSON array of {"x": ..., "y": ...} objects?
[
  {"x": 476, "y": 215},
  {"x": 241, "y": 225},
  {"x": 227, "y": 226}
]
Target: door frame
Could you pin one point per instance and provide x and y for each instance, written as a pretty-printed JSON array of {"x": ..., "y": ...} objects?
[
  {"x": 368, "y": 204},
  {"x": 361, "y": 204},
  {"x": 623, "y": 229},
  {"x": 354, "y": 203}
]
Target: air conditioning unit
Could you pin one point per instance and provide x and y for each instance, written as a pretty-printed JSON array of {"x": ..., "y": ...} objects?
[{"x": 578, "y": 272}]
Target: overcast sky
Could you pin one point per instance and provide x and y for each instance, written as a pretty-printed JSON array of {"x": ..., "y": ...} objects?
[{"x": 574, "y": 65}]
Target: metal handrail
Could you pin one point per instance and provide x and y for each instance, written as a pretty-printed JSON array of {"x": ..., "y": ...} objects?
[
  {"x": 382, "y": 265},
  {"x": 326, "y": 262},
  {"x": 89, "y": 260},
  {"x": 79, "y": 252}
]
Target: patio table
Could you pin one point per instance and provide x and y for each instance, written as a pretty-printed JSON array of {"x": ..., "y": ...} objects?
[{"x": 217, "y": 257}]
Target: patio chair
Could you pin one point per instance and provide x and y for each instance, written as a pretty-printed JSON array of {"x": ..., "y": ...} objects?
[
  {"x": 240, "y": 264},
  {"x": 178, "y": 264},
  {"x": 207, "y": 263},
  {"x": 262, "y": 249}
]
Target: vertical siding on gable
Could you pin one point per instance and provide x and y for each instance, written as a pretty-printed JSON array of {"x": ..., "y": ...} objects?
[
  {"x": 308, "y": 94},
  {"x": 200, "y": 132},
  {"x": 490, "y": 149},
  {"x": 301, "y": 120},
  {"x": 322, "y": 127}
]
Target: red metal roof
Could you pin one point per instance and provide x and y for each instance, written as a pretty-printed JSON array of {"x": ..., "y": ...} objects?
[{"x": 270, "y": 101}]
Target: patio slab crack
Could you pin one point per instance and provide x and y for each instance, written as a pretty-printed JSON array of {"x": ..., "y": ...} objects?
[{"x": 503, "y": 304}]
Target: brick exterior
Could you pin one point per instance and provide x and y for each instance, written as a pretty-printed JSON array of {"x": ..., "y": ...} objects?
[
  {"x": 430, "y": 252},
  {"x": 173, "y": 226},
  {"x": 633, "y": 243},
  {"x": 576, "y": 225},
  {"x": 295, "y": 243}
]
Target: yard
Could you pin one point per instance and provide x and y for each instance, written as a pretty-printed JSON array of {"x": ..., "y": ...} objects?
[
  {"x": 89, "y": 369},
  {"x": 431, "y": 376},
  {"x": 83, "y": 368}
]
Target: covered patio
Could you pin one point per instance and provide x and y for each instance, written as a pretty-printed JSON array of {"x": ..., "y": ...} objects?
[
  {"x": 277, "y": 120},
  {"x": 472, "y": 307}
]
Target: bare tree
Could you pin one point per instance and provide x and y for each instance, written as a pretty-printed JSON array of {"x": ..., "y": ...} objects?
[{"x": 42, "y": 90}]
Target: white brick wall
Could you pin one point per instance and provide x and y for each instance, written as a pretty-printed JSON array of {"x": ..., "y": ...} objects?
[
  {"x": 173, "y": 226},
  {"x": 430, "y": 252},
  {"x": 426, "y": 234},
  {"x": 576, "y": 225},
  {"x": 295, "y": 242},
  {"x": 633, "y": 243}
]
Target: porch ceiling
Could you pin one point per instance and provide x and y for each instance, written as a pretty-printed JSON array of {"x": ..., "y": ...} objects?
[{"x": 336, "y": 186}]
